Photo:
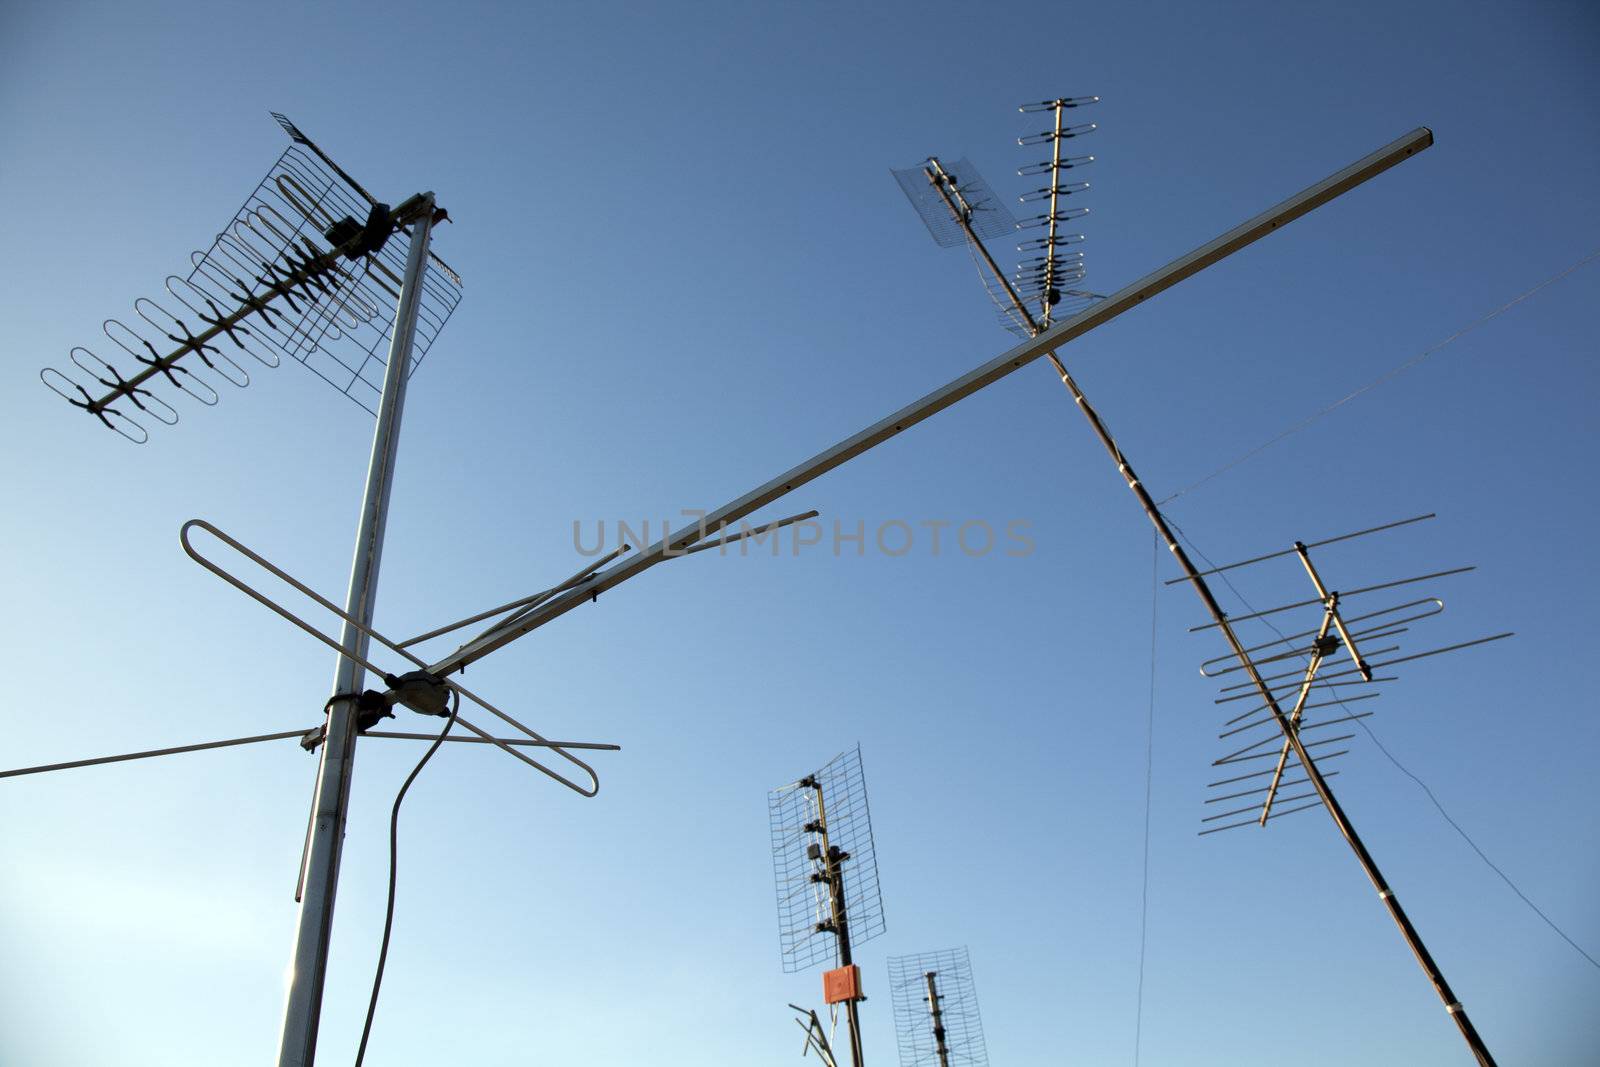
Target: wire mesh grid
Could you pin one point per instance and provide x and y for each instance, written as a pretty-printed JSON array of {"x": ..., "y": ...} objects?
[
  {"x": 803, "y": 899},
  {"x": 340, "y": 329},
  {"x": 958, "y": 1009},
  {"x": 990, "y": 216}
]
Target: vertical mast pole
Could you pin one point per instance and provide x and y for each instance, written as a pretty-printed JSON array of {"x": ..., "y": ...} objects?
[
  {"x": 833, "y": 874},
  {"x": 330, "y": 808},
  {"x": 938, "y": 1019}
]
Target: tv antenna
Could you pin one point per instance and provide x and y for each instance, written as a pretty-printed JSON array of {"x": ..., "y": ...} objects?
[
  {"x": 1317, "y": 672},
  {"x": 960, "y": 212},
  {"x": 936, "y": 1010},
  {"x": 826, "y": 872},
  {"x": 530, "y": 613}
]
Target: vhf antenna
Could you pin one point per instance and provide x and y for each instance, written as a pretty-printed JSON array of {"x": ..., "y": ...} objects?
[
  {"x": 826, "y": 872},
  {"x": 1312, "y": 684},
  {"x": 936, "y": 1010},
  {"x": 961, "y": 213}
]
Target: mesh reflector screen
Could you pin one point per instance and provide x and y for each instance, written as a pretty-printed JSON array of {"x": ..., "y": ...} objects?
[{"x": 802, "y": 902}]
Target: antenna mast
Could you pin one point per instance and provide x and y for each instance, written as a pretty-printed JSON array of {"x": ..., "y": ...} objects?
[
  {"x": 819, "y": 824},
  {"x": 331, "y": 806},
  {"x": 830, "y": 859}
]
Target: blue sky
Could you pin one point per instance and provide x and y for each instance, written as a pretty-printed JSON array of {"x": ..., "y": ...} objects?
[{"x": 686, "y": 269}]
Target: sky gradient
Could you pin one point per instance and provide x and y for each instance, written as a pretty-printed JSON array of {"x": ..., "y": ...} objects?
[{"x": 687, "y": 268}]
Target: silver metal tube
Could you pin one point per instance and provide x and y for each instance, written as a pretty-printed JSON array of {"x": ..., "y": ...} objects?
[{"x": 303, "y": 1005}]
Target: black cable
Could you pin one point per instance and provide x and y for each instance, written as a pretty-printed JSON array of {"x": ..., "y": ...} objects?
[
  {"x": 394, "y": 846},
  {"x": 1333, "y": 691}
]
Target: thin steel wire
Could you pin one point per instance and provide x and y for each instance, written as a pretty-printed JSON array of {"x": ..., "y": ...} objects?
[{"x": 1149, "y": 775}]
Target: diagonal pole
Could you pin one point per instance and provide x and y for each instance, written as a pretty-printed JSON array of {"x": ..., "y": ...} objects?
[{"x": 330, "y": 808}]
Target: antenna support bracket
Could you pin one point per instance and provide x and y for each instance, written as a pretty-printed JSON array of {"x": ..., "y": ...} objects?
[{"x": 422, "y": 692}]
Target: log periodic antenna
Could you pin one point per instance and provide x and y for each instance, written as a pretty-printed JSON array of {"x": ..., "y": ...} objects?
[
  {"x": 826, "y": 872},
  {"x": 936, "y": 1010},
  {"x": 294, "y": 275},
  {"x": 1369, "y": 638}
]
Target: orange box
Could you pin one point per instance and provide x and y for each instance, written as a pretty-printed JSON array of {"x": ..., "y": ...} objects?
[{"x": 841, "y": 984}]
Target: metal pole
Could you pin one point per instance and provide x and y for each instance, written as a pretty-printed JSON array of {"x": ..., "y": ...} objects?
[
  {"x": 1312, "y": 666},
  {"x": 1050, "y": 232},
  {"x": 298, "y": 1044},
  {"x": 834, "y": 876},
  {"x": 1453, "y": 1006},
  {"x": 938, "y": 1020}
]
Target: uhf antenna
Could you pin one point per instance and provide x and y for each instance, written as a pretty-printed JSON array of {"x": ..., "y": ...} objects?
[
  {"x": 305, "y": 270},
  {"x": 936, "y": 1010},
  {"x": 826, "y": 872},
  {"x": 957, "y": 206}
]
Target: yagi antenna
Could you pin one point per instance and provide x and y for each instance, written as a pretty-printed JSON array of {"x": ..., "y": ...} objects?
[
  {"x": 826, "y": 871},
  {"x": 936, "y": 1010},
  {"x": 305, "y": 270},
  {"x": 1344, "y": 649}
]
